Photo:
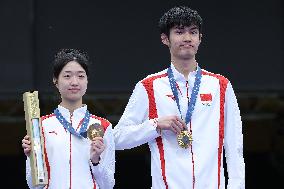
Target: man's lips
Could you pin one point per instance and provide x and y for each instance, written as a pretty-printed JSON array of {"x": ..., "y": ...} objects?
[{"x": 187, "y": 46}]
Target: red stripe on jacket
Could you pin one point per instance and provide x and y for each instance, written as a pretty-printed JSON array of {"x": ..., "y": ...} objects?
[
  {"x": 105, "y": 123},
  {"x": 223, "y": 82},
  {"x": 44, "y": 149},
  {"x": 148, "y": 84}
]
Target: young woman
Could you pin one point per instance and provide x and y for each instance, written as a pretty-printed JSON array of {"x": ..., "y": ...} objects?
[{"x": 74, "y": 161}]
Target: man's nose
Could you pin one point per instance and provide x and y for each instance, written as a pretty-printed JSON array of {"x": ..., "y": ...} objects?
[{"x": 187, "y": 36}]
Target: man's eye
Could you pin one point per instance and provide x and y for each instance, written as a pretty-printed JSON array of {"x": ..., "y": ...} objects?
[
  {"x": 194, "y": 32},
  {"x": 66, "y": 76},
  {"x": 81, "y": 76}
]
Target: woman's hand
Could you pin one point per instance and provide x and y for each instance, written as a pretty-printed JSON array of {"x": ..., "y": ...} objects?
[
  {"x": 26, "y": 145},
  {"x": 97, "y": 147}
]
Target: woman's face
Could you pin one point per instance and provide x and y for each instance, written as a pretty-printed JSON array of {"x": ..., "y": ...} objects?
[{"x": 72, "y": 82}]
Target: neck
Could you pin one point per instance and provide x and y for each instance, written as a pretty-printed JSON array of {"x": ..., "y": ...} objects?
[
  {"x": 185, "y": 66},
  {"x": 71, "y": 106}
]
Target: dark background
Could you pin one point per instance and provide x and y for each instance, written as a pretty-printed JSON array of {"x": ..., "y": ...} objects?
[{"x": 242, "y": 40}]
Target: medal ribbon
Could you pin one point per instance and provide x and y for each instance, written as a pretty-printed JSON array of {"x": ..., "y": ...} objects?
[
  {"x": 193, "y": 96},
  {"x": 68, "y": 125}
]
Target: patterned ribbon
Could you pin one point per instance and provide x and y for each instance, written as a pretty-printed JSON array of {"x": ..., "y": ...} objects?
[
  {"x": 194, "y": 93},
  {"x": 68, "y": 125}
]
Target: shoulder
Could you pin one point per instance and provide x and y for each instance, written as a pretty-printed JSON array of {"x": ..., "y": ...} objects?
[
  {"x": 150, "y": 78},
  {"x": 48, "y": 117},
  {"x": 222, "y": 79},
  {"x": 104, "y": 122}
]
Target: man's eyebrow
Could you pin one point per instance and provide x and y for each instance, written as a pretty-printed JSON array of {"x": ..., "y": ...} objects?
[
  {"x": 182, "y": 27},
  {"x": 194, "y": 28},
  {"x": 179, "y": 27}
]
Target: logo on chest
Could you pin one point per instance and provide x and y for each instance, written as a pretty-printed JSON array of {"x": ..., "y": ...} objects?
[
  {"x": 171, "y": 96},
  {"x": 206, "y": 99},
  {"x": 52, "y": 132}
]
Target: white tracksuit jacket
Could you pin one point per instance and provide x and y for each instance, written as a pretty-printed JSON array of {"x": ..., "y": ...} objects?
[
  {"x": 68, "y": 157},
  {"x": 216, "y": 124}
]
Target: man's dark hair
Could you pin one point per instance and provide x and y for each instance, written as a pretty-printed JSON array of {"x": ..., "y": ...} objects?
[
  {"x": 179, "y": 16},
  {"x": 64, "y": 56}
]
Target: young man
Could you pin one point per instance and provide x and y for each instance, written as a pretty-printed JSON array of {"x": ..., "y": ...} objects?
[{"x": 186, "y": 115}]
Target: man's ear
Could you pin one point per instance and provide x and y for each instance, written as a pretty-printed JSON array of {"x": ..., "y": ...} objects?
[
  {"x": 200, "y": 37},
  {"x": 165, "y": 39}
]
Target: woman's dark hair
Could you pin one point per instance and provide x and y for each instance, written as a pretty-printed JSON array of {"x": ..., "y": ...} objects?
[
  {"x": 179, "y": 16},
  {"x": 64, "y": 56}
]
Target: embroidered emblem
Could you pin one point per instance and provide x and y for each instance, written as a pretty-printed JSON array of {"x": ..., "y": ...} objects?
[
  {"x": 206, "y": 99},
  {"x": 54, "y": 132},
  {"x": 171, "y": 96}
]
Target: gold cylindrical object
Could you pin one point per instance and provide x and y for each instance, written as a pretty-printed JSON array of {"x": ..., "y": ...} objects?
[{"x": 34, "y": 130}]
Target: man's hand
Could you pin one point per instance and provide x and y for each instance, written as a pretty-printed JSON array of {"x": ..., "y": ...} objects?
[{"x": 173, "y": 123}]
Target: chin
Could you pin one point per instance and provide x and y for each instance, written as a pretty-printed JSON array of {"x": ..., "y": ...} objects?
[
  {"x": 74, "y": 98},
  {"x": 187, "y": 57}
]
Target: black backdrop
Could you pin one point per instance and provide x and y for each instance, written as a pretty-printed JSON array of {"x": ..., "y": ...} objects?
[{"x": 242, "y": 40}]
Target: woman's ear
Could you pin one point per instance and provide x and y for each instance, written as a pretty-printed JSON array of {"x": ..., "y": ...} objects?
[{"x": 55, "y": 81}]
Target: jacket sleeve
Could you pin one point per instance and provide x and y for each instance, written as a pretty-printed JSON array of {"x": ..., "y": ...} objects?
[
  {"x": 29, "y": 175},
  {"x": 104, "y": 171},
  {"x": 134, "y": 128},
  {"x": 234, "y": 141}
]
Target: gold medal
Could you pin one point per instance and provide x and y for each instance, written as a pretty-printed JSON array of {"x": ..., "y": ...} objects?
[
  {"x": 184, "y": 139},
  {"x": 95, "y": 130}
]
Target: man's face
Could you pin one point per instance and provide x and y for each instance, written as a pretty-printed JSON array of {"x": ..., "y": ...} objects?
[{"x": 183, "y": 42}]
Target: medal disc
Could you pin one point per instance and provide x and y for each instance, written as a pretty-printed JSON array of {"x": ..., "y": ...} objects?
[
  {"x": 184, "y": 139},
  {"x": 95, "y": 130}
]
